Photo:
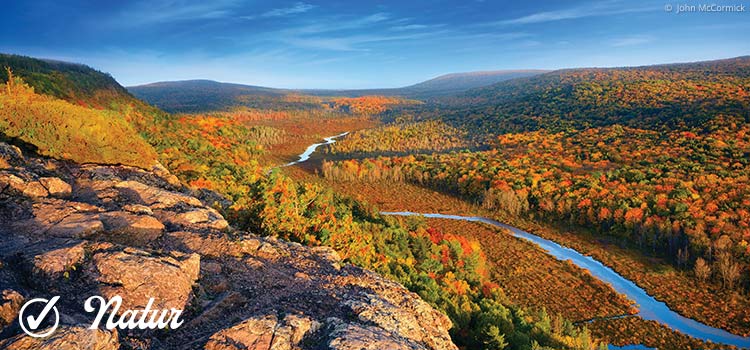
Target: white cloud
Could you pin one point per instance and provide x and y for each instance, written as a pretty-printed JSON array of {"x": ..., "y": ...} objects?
[
  {"x": 410, "y": 27},
  {"x": 297, "y": 8},
  {"x": 590, "y": 10},
  {"x": 166, "y": 11},
  {"x": 349, "y": 43},
  {"x": 632, "y": 40}
]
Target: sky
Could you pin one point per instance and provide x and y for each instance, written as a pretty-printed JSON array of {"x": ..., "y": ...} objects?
[{"x": 358, "y": 44}]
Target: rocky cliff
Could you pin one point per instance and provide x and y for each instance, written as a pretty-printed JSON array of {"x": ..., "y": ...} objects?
[{"x": 80, "y": 230}]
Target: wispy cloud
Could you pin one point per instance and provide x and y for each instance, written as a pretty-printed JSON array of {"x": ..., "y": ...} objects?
[
  {"x": 632, "y": 40},
  {"x": 410, "y": 27},
  {"x": 335, "y": 24},
  {"x": 295, "y": 9},
  {"x": 589, "y": 10},
  {"x": 339, "y": 33},
  {"x": 166, "y": 11},
  {"x": 350, "y": 42}
]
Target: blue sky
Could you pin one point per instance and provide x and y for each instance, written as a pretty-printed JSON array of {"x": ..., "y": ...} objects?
[{"x": 357, "y": 44}]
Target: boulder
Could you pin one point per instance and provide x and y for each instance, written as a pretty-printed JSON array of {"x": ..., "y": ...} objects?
[
  {"x": 56, "y": 187},
  {"x": 10, "y": 155},
  {"x": 10, "y": 303},
  {"x": 128, "y": 228},
  {"x": 392, "y": 308},
  {"x": 330, "y": 255},
  {"x": 212, "y": 246},
  {"x": 193, "y": 217},
  {"x": 12, "y": 182},
  {"x": 254, "y": 333},
  {"x": 198, "y": 218},
  {"x": 264, "y": 332},
  {"x": 65, "y": 338},
  {"x": 137, "y": 275},
  {"x": 35, "y": 189},
  {"x": 53, "y": 264},
  {"x": 354, "y": 336},
  {"x": 154, "y": 197},
  {"x": 292, "y": 331},
  {"x": 138, "y": 209},
  {"x": 77, "y": 225}
]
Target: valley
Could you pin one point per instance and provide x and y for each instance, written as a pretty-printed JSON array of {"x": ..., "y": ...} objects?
[
  {"x": 635, "y": 302},
  {"x": 526, "y": 226}
]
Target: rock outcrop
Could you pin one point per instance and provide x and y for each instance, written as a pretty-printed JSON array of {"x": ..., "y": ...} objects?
[
  {"x": 82, "y": 230},
  {"x": 66, "y": 338}
]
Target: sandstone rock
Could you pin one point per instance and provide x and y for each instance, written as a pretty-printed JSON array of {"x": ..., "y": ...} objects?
[
  {"x": 263, "y": 332},
  {"x": 153, "y": 197},
  {"x": 127, "y": 228},
  {"x": 197, "y": 218},
  {"x": 293, "y": 330},
  {"x": 193, "y": 217},
  {"x": 84, "y": 207},
  {"x": 218, "y": 309},
  {"x": 250, "y": 245},
  {"x": 10, "y": 154},
  {"x": 254, "y": 263},
  {"x": 352, "y": 336},
  {"x": 254, "y": 333},
  {"x": 206, "y": 245},
  {"x": 137, "y": 209},
  {"x": 77, "y": 225},
  {"x": 394, "y": 309},
  {"x": 10, "y": 304},
  {"x": 56, "y": 187},
  {"x": 330, "y": 255},
  {"x": 162, "y": 172},
  {"x": 302, "y": 276},
  {"x": 35, "y": 189},
  {"x": 268, "y": 251},
  {"x": 136, "y": 276},
  {"x": 13, "y": 182},
  {"x": 66, "y": 338},
  {"x": 54, "y": 264},
  {"x": 219, "y": 224}
]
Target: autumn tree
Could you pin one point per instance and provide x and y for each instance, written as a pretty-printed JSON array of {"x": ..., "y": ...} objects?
[
  {"x": 729, "y": 270},
  {"x": 702, "y": 270}
]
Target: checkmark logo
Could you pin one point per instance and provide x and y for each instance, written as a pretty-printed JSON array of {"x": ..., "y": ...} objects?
[{"x": 30, "y": 324}]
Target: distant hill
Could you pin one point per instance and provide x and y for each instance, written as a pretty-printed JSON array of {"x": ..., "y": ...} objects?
[
  {"x": 660, "y": 96},
  {"x": 207, "y": 95},
  {"x": 441, "y": 86},
  {"x": 200, "y": 95}
]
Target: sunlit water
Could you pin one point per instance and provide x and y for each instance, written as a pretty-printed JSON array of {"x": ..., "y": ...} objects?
[
  {"x": 650, "y": 308},
  {"x": 630, "y": 347},
  {"x": 311, "y": 149}
]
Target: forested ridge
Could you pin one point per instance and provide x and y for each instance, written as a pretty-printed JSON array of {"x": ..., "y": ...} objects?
[
  {"x": 76, "y": 83},
  {"x": 664, "y": 97}
]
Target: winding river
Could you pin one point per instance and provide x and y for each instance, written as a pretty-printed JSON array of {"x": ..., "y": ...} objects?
[
  {"x": 311, "y": 149},
  {"x": 650, "y": 308}
]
